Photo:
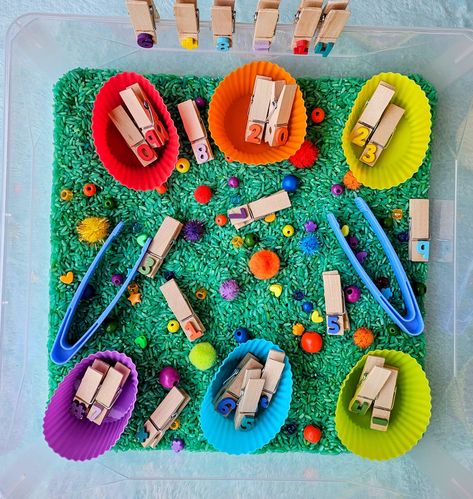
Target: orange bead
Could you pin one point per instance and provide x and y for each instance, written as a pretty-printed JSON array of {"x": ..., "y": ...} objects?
[
  {"x": 312, "y": 433},
  {"x": 311, "y": 342},
  {"x": 317, "y": 115},
  {"x": 162, "y": 188},
  {"x": 221, "y": 220},
  {"x": 89, "y": 190}
]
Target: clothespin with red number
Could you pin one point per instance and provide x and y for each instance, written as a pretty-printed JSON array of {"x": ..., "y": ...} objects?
[
  {"x": 187, "y": 22},
  {"x": 306, "y": 21}
]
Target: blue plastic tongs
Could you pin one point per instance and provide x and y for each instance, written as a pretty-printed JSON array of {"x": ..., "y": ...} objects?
[
  {"x": 412, "y": 323},
  {"x": 62, "y": 351}
]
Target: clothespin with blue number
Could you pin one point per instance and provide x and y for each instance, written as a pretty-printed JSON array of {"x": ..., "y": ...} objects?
[
  {"x": 419, "y": 233},
  {"x": 223, "y": 24},
  {"x": 411, "y": 322}
]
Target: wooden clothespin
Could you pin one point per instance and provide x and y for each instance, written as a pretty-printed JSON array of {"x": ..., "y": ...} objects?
[
  {"x": 187, "y": 22},
  {"x": 266, "y": 20},
  {"x": 271, "y": 374},
  {"x": 195, "y": 130},
  {"x": 227, "y": 397},
  {"x": 369, "y": 389},
  {"x": 306, "y": 21},
  {"x": 162, "y": 242},
  {"x": 98, "y": 390},
  {"x": 223, "y": 23},
  {"x": 334, "y": 18},
  {"x": 182, "y": 309},
  {"x": 163, "y": 416},
  {"x": 251, "y": 390},
  {"x": 132, "y": 136},
  {"x": 419, "y": 231},
  {"x": 242, "y": 216},
  {"x": 372, "y": 113},
  {"x": 144, "y": 115},
  {"x": 335, "y": 309},
  {"x": 279, "y": 113},
  {"x": 143, "y": 15},
  {"x": 263, "y": 90},
  {"x": 384, "y": 402},
  {"x": 382, "y": 135}
]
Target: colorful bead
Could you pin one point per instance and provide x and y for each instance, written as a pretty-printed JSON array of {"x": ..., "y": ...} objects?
[
  {"x": 353, "y": 242},
  {"x": 288, "y": 230},
  {"x": 221, "y": 220},
  {"x": 298, "y": 329},
  {"x": 134, "y": 298},
  {"x": 237, "y": 242},
  {"x": 361, "y": 256},
  {"x": 250, "y": 240},
  {"x": 177, "y": 445},
  {"x": 337, "y": 189},
  {"x": 203, "y": 356},
  {"x": 315, "y": 317},
  {"x": 403, "y": 237},
  {"x": 290, "y": 183},
  {"x": 66, "y": 195},
  {"x": 142, "y": 435},
  {"x": 419, "y": 288},
  {"x": 289, "y": 428},
  {"x": 89, "y": 190},
  {"x": 311, "y": 342},
  {"x": 109, "y": 203},
  {"x": 241, "y": 335},
  {"x": 117, "y": 279},
  {"x": 352, "y": 293},
  {"x": 235, "y": 200},
  {"x": 162, "y": 189},
  {"x": 233, "y": 182},
  {"x": 363, "y": 337},
  {"x": 387, "y": 222},
  {"x": 141, "y": 341},
  {"x": 88, "y": 293},
  {"x": 169, "y": 274},
  {"x": 270, "y": 218},
  {"x": 345, "y": 230},
  {"x": 169, "y": 377},
  {"x": 136, "y": 227},
  {"x": 393, "y": 329},
  {"x": 183, "y": 165},
  {"x": 203, "y": 194},
  {"x": 141, "y": 239},
  {"x": 387, "y": 293},
  {"x": 396, "y": 214},
  {"x": 312, "y": 434},
  {"x": 298, "y": 295},
  {"x": 67, "y": 278},
  {"x": 200, "y": 102},
  {"x": 175, "y": 425},
  {"x": 317, "y": 115},
  {"x": 310, "y": 226},
  {"x": 133, "y": 288},
  {"x": 276, "y": 289},
  {"x": 111, "y": 325},
  {"x": 173, "y": 326},
  {"x": 201, "y": 294},
  {"x": 308, "y": 306},
  {"x": 229, "y": 289}
]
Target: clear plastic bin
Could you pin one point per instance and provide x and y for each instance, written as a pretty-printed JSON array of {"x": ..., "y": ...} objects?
[{"x": 40, "y": 48}]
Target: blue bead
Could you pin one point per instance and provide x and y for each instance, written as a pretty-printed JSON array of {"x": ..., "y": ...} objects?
[
  {"x": 241, "y": 334},
  {"x": 88, "y": 292},
  {"x": 169, "y": 274},
  {"x": 264, "y": 402},
  {"x": 307, "y": 306},
  {"x": 298, "y": 295},
  {"x": 235, "y": 199},
  {"x": 290, "y": 183}
]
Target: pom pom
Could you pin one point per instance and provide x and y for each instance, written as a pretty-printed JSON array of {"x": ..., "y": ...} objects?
[
  {"x": 350, "y": 181},
  {"x": 203, "y": 356},
  {"x": 264, "y": 264},
  {"x": 93, "y": 229},
  {"x": 363, "y": 337},
  {"x": 193, "y": 230},
  {"x": 229, "y": 289},
  {"x": 203, "y": 194},
  {"x": 310, "y": 245},
  {"x": 306, "y": 156}
]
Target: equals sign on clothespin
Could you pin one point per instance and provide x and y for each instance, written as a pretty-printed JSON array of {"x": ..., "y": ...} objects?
[{"x": 223, "y": 24}]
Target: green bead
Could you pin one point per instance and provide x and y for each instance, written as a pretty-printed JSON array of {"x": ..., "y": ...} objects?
[
  {"x": 393, "y": 329},
  {"x": 387, "y": 222},
  {"x": 141, "y": 341},
  {"x": 250, "y": 240},
  {"x": 109, "y": 203},
  {"x": 111, "y": 326},
  {"x": 141, "y": 239},
  {"x": 419, "y": 288}
]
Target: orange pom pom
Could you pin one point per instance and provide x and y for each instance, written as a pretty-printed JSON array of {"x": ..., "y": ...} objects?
[
  {"x": 351, "y": 181},
  {"x": 264, "y": 264},
  {"x": 363, "y": 337}
]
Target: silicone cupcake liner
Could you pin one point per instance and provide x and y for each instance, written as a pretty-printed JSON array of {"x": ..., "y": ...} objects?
[
  {"x": 228, "y": 115},
  {"x": 409, "y": 417},
  {"x": 408, "y": 146},
  {"x": 220, "y": 431},
  {"x": 80, "y": 440},
  {"x": 113, "y": 151}
]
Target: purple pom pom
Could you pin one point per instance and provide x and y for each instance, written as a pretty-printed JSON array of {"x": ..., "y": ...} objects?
[
  {"x": 310, "y": 245},
  {"x": 229, "y": 289},
  {"x": 193, "y": 230}
]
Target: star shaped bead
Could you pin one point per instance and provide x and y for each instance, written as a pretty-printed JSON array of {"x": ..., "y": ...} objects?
[{"x": 134, "y": 298}]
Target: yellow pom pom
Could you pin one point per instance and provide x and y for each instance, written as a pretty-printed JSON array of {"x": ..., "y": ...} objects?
[{"x": 93, "y": 229}]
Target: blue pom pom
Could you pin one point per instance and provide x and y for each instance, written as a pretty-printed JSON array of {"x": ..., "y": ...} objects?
[{"x": 310, "y": 245}]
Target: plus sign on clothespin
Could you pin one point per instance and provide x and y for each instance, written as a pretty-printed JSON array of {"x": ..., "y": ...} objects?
[
  {"x": 223, "y": 23},
  {"x": 266, "y": 20},
  {"x": 187, "y": 22}
]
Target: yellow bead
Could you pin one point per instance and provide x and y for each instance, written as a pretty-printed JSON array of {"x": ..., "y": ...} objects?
[
  {"x": 288, "y": 230},
  {"x": 270, "y": 218},
  {"x": 298, "y": 329},
  {"x": 189, "y": 43},
  {"x": 276, "y": 289},
  {"x": 133, "y": 288},
  {"x": 175, "y": 425},
  {"x": 345, "y": 230},
  {"x": 66, "y": 195},
  {"x": 316, "y": 317},
  {"x": 237, "y": 242},
  {"x": 173, "y": 326},
  {"x": 183, "y": 165},
  {"x": 397, "y": 214},
  {"x": 201, "y": 294}
]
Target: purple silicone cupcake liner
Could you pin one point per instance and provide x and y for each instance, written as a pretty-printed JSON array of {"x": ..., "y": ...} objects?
[{"x": 80, "y": 440}]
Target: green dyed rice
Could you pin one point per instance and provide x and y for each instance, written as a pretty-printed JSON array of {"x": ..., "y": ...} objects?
[{"x": 207, "y": 263}]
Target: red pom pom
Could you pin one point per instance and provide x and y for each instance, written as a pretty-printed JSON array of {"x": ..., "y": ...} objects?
[
  {"x": 306, "y": 156},
  {"x": 203, "y": 194}
]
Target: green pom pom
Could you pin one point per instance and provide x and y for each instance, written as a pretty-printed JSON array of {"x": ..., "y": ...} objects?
[{"x": 203, "y": 356}]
